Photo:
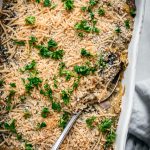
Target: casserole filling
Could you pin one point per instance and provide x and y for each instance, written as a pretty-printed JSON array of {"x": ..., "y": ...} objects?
[{"x": 56, "y": 55}]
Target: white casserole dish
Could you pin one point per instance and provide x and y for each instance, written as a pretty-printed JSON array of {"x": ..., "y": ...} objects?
[{"x": 129, "y": 78}]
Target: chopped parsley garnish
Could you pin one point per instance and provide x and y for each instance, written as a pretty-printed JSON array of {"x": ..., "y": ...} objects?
[
  {"x": 19, "y": 136},
  {"x": 10, "y": 126},
  {"x": 33, "y": 82},
  {"x": 65, "y": 96},
  {"x": 95, "y": 30},
  {"x": 83, "y": 25},
  {"x": 85, "y": 53},
  {"x": 28, "y": 146},
  {"x": 68, "y": 4},
  {"x": 118, "y": 29},
  {"x": 44, "y": 52},
  {"x": 90, "y": 122},
  {"x": 64, "y": 119},
  {"x": 56, "y": 106},
  {"x": 76, "y": 83},
  {"x": 82, "y": 70},
  {"x": 52, "y": 44},
  {"x": 41, "y": 125},
  {"x": 55, "y": 82},
  {"x": 30, "y": 66},
  {"x": 53, "y": 6},
  {"x": 93, "y": 2},
  {"x": 45, "y": 112},
  {"x": 105, "y": 125},
  {"x": 47, "y": 3},
  {"x": 127, "y": 24},
  {"x": 83, "y": 8},
  {"x": 49, "y": 91},
  {"x": 61, "y": 67},
  {"x": 80, "y": 34},
  {"x": 101, "y": 12},
  {"x": 26, "y": 114},
  {"x": 133, "y": 12},
  {"x": 32, "y": 40},
  {"x": 110, "y": 139},
  {"x": 30, "y": 20},
  {"x": 91, "y": 15},
  {"x": 58, "y": 54},
  {"x": 19, "y": 43},
  {"x": 38, "y": 1},
  {"x": 68, "y": 74},
  {"x": 9, "y": 98},
  {"x": 22, "y": 98},
  {"x": 13, "y": 85},
  {"x": 2, "y": 82}
]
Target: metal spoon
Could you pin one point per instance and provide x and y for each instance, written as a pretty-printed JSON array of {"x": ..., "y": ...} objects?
[{"x": 75, "y": 116}]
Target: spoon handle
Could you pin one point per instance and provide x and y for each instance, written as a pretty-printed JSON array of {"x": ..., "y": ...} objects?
[{"x": 66, "y": 130}]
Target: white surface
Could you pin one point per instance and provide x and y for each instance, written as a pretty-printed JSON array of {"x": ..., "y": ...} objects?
[{"x": 129, "y": 79}]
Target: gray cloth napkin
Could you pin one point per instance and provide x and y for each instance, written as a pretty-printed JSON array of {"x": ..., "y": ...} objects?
[{"x": 139, "y": 129}]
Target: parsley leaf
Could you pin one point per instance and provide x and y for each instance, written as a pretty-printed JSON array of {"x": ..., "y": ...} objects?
[
  {"x": 13, "y": 84},
  {"x": 133, "y": 12},
  {"x": 58, "y": 54},
  {"x": 31, "y": 65},
  {"x": 61, "y": 67},
  {"x": 104, "y": 125},
  {"x": 19, "y": 43},
  {"x": 93, "y": 2},
  {"x": 118, "y": 29},
  {"x": 83, "y": 25},
  {"x": 85, "y": 53},
  {"x": 90, "y": 122},
  {"x": 82, "y": 70},
  {"x": 11, "y": 127},
  {"x": 65, "y": 97},
  {"x": 55, "y": 82},
  {"x": 47, "y": 3},
  {"x": 52, "y": 44},
  {"x": 80, "y": 34},
  {"x": 41, "y": 125},
  {"x": 2, "y": 82},
  {"x": 33, "y": 82},
  {"x": 45, "y": 112},
  {"x": 44, "y": 52},
  {"x": 127, "y": 24},
  {"x": 38, "y": 1},
  {"x": 64, "y": 119},
  {"x": 76, "y": 83},
  {"x": 110, "y": 138},
  {"x": 83, "y": 8},
  {"x": 101, "y": 12},
  {"x": 22, "y": 98},
  {"x": 32, "y": 40},
  {"x": 28, "y": 146},
  {"x": 30, "y": 20},
  {"x": 56, "y": 106},
  {"x": 68, "y": 4}
]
